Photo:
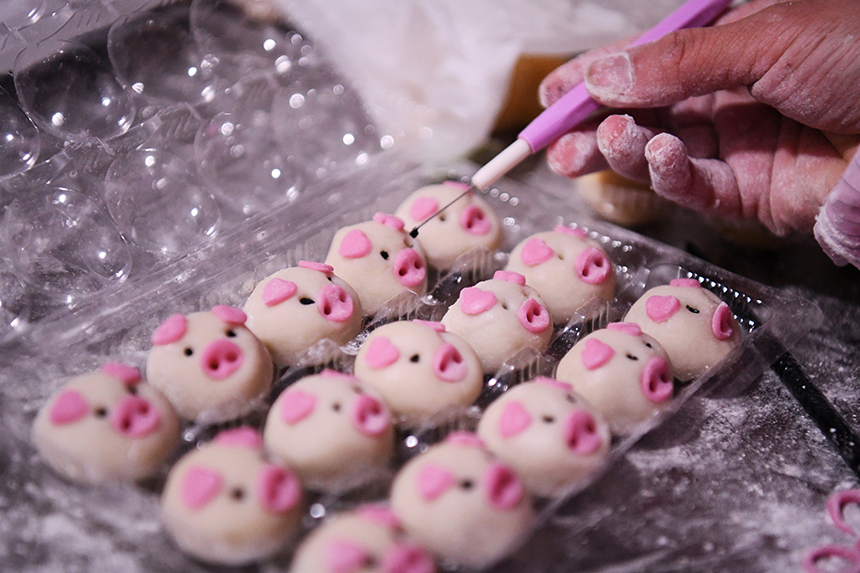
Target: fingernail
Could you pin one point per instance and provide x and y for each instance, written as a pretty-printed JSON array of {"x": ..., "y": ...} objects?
[{"x": 610, "y": 76}]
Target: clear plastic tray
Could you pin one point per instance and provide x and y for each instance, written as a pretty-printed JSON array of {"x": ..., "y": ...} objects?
[{"x": 117, "y": 527}]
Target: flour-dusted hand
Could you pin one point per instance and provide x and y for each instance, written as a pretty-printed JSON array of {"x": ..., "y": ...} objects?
[{"x": 756, "y": 117}]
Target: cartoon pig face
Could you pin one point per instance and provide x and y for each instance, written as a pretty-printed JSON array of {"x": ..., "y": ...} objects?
[
  {"x": 106, "y": 425},
  {"x": 468, "y": 223},
  {"x": 295, "y": 308},
  {"x": 695, "y": 327},
  {"x": 622, "y": 372},
  {"x": 379, "y": 260},
  {"x": 499, "y": 317},
  {"x": 460, "y": 503},
  {"x": 566, "y": 268},
  {"x": 208, "y": 364},
  {"x": 419, "y": 369},
  {"x": 548, "y": 434},
  {"x": 331, "y": 430},
  {"x": 224, "y": 503},
  {"x": 365, "y": 540}
]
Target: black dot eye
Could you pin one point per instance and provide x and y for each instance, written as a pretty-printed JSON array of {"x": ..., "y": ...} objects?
[
  {"x": 357, "y": 390},
  {"x": 548, "y": 419},
  {"x": 442, "y": 217},
  {"x": 336, "y": 407},
  {"x": 328, "y": 279},
  {"x": 414, "y": 358},
  {"x": 131, "y": 389},
  {"x": 306, "y": 301},
  {"x": 384, "y": 254},
  {"x": 570, "y": 398},
  {"x": 231, "y": 333},
  {"x": 505, "y": 305},
  {"x": 237, "y": 494},
  {"x": 100, "y": 412},
  {"x": 648, "y": 344},
  {"x": 466, "y": 484},
  {"x": 188, "y": 351},
  {"x": 693, "y": 309},
  {"x": 632, "y": 357}
]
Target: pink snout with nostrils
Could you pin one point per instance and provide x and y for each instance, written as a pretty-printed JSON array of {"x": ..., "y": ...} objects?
[
  {"x": 135, "y": 417},
  {"x": 220, "y": 359},
  {"x": 335, "y": 304},
  {"x": 409, "y": 268}
]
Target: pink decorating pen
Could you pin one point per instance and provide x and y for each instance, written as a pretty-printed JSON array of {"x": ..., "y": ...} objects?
[{"x": 576, "y": 105}]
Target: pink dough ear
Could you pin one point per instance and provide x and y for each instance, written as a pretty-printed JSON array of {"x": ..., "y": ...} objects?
[
  {"x": 278, "y": 489},
  {"x": 381, "y": 353},
  {"x": 437, "y": 326},
  {"x": 434, "y": 480},
  {"x": 409, "y": 268},
  {"x": 593, "y": 266},
  {"x": 330, "y": 373},
  {"x": 379, "y": 513},
  {"x": 70, "y": 406},
  {"x": 515, "y": 419},
  {"x": 533, "y": 316},
  {"x": 423, "y": 207},
  {"x": 510, "y": 276},
  {"x": 474, "y": 221},
  {"x": 721, "y": 324},
  {"x": 657, "y": 380},
  {"x": 407, "y": 559},
  {"x": 199, "y": 487},
  {"x": 502, "y": 487},
  {"x": 580, "y": 233},
  {"x": 630, "y": 328},
  {"x": 172, "y": 329},
  {"x": 297, "y": 405},
  {"x": 448, "y": 364},
  {"x": 389, "y": 220},
  {"x": 242, "y": 437},
  {"x": 535, "y": 252},
  {"x": 475, "y": 301},
  {"x": 580, "y": 433},
  {"x": 128, "y": 375},
  {"x": 467, "y": 439},
  {"x": 370, "y": 417},
  {"x": 321, "y": 267},
  {"x": 836, "y": 507},
  {"x": 277, "y": 291},
  {"x": 456, "y": 185},
  {"x": 229, "y": 314},
  {"x": 335, "y": 304},
  {"x": 661, "y": 308},
  {"x": 563, "y": 386},
  {"x": 344, "y": 556},
  {"x": 355, "y": 245},
  {"x": 691, "y": 283},
  {"x": 596, "y": 353}
]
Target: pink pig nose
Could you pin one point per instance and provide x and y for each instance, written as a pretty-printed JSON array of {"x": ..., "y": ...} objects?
[
  {"x": 592, "y": 266},
  {"x": 135, "y": 417},
  {"x": 580, "y": 433},
  {"x": 474, "y": 221},
  {"x": 409, "y": 268},
  {"x": 335, "y": 304},
  {"x": 369, "y": 416},
  {"x": 448, "y": 364},
  {"x": 722, "y": 322},
  {"x": 220, "y": 359},
  {"x": 533, "y": 316},
  {"x": 657, "y": 380},
  {"x": 502, "y": 487}
]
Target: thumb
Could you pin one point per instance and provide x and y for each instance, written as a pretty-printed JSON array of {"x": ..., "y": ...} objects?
[{"x": 781, "y": 52}]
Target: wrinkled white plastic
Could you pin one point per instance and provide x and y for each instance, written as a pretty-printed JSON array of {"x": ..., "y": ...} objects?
[{"x": 435, "y": 74}]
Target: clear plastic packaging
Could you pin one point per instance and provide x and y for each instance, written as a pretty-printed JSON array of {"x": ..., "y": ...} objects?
[{"x": 112, "y": 525}]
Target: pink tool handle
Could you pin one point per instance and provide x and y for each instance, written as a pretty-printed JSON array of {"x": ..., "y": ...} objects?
[{"x": 576, "y": 105}]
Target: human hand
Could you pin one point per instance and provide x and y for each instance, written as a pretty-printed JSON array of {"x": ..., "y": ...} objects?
[{"x": 756, "y": 117}]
